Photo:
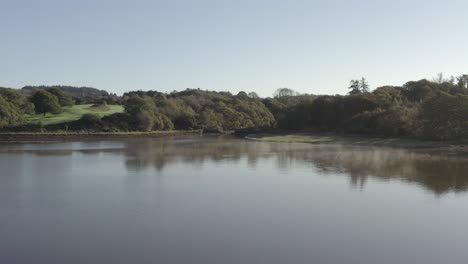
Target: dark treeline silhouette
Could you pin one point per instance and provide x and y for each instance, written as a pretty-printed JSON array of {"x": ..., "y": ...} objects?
[{"x": 436, "y": 109}]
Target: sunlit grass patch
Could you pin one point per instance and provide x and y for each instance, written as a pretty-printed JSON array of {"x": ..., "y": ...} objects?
[{"x": 75, "y": 112}]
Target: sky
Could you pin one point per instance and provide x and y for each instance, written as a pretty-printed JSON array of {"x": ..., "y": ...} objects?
[{"x": 313, "y": 46}]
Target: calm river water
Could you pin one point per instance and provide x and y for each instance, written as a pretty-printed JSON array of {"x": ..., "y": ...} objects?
[{"x": 223, "y": 200}]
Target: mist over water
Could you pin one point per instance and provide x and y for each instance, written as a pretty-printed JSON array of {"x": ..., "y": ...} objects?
[{"x": 225, "y": 200}]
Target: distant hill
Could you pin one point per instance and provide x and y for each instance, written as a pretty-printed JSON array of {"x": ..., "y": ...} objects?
[{"x": 77, "y": 92}]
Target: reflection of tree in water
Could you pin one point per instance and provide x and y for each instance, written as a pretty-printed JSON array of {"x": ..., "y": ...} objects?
[
  {"x": 157, "y": 153},
  {"x": 436, "y": 173}
]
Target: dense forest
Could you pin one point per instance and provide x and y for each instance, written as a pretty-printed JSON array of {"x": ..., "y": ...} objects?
[
  {"x": 428, "y": 109},
  {"x": 82, "y": 95}
]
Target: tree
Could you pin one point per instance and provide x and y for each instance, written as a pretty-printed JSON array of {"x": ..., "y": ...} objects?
[
  {"x": 45, "y": 102},
  {"x": 364, "y": 85},
  {"x": 389, "y": 95},
  {"x": 210, "y": 119},
  {"x": 452, "y": 80},
  {"x": 462, "y": 81},
  {"x": 354, "y": 86},
  {"x": 146, "y": 115},
  {"x": 17, "y": 100},
  {"x": 439, "y": 78},
  {"x": 9, "y": 114},
  {"x": 65, "y": 99},
  {"x": 282, "y": 92},
  {"x": 418, "y": 91},
  {"x": 242, "y": 95},
  {"x": 444, "y": 117},
  {"x": 253, "y": 95}
]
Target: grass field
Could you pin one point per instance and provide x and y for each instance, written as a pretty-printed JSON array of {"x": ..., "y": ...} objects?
[{"x": 71, "y": 113}]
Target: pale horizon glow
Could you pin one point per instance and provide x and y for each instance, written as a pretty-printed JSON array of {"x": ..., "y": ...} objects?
[{"x": 313, "y": 47}]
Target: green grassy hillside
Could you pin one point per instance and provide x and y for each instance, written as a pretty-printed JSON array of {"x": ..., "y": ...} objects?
[{"x": 71, "y": 113}]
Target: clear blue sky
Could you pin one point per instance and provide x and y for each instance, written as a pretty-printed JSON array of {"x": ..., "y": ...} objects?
[{"x": 309, "y": 46}]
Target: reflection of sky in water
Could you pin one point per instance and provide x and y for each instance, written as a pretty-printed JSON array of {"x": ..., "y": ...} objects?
[
  {"x": 361, "y": 164},
  {"x": 221, "y": 200},
  {"x": 71, "y": 146}
]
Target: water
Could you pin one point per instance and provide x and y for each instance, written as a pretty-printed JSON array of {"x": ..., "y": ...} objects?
[{"x": 223, "y": 200}]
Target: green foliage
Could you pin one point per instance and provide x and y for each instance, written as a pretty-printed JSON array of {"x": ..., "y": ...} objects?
[
  {"x": 355, "y": 87},
  {"x": 274, "y": 105},
  {"x": 364, "y": 85},
  {"x": 180, "y": 112},
  {"x": 73, "y": 113},
  {"x": 394, "y": 121},
  {"x": 89, "y": 122},
  {"x": 90, "y": 118},
  {"x": 8, "y": 113},
  {"x": 397, "y": 121},
  {"x": 64, "y": 98},
  {"x": 253, "y": 95},
  {"x": 79, "y": 95},
  {"x": 74, "y": 91},
  {"x": 444, "y": 117},
  {"x": 282, "y": 92},
  {"x": 196, "y": 109},
  {"x": 383, "y": 112},
  {"x": 18, "y": 100},
  {"x": 100, "y": 107},
  {"x": 242, "y": 95},
  {"x": 325, "y": 113},
  {"x": 422, "y": 90},
  {"x": 389, "y": 96},
  {"x": 146, "y": 115},
  {"x": 118, "y": 122},
  {"x": 211, "y": 120},
  {"x": 45, "y": 102},
  {"x": 430, "y": 109},
  {"x": 13, "y": 107}
]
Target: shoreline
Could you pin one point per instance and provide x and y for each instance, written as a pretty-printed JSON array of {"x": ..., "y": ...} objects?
[
  {"x": 439, "y": 147},
  {"x": 35, "y": 137}
]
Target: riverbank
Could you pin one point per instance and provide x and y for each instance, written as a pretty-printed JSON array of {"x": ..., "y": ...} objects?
[
  {"x": 446, "y": 147},
  {"x": 22, "y": 137}
]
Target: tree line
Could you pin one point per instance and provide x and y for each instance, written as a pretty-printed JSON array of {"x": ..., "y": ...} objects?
[
  {"x": 429, "y": 109},
  {"x": 186, "y": 110},
  {"x": 436, "y": 109}
]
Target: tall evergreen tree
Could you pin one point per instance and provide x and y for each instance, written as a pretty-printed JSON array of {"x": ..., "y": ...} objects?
[
  {"x": 354, "y": 86},
  {"x": 364, "y": 85}
]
